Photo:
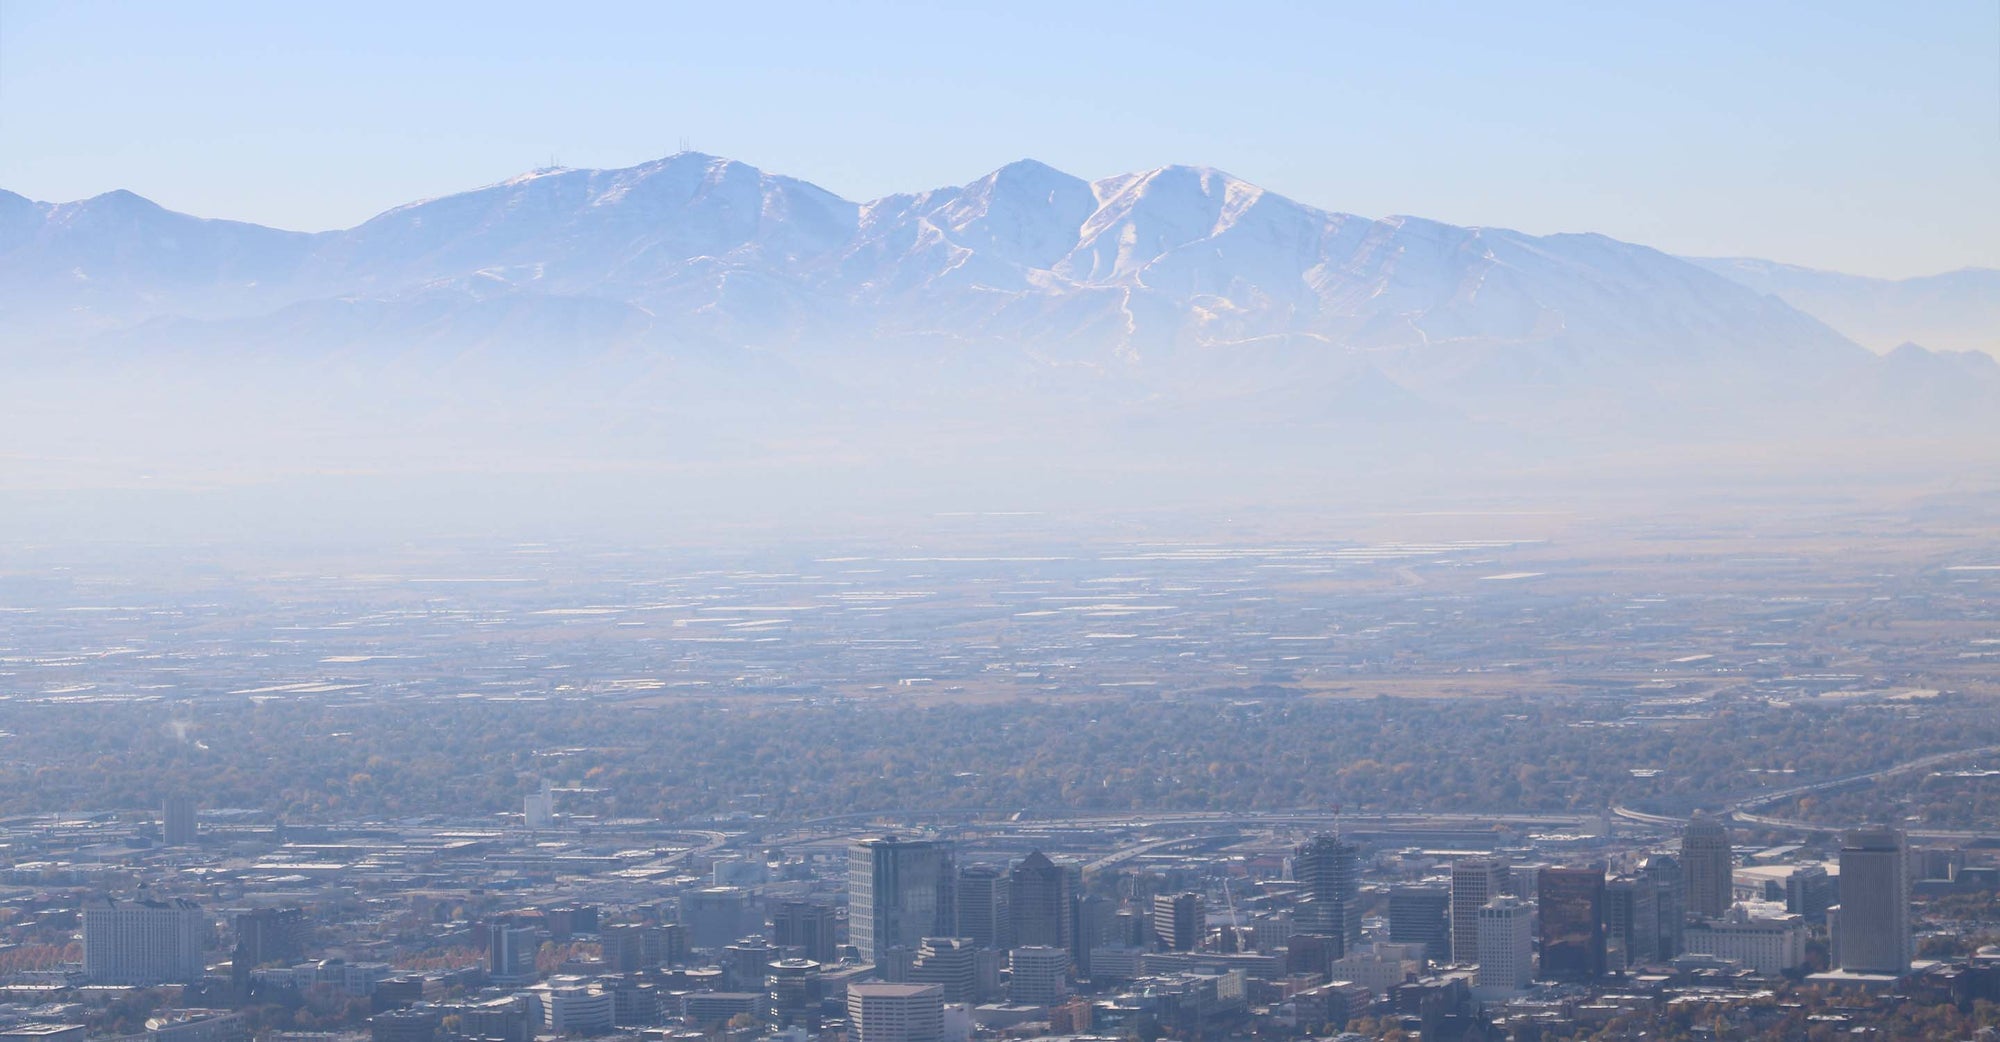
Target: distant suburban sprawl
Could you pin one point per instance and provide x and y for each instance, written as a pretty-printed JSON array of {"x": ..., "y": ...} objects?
[{"x": 1507, "y": 776}]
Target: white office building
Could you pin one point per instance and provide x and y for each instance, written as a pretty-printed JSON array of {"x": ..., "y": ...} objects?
[
  {"x": 1380, "y": 967},
  {"x": 1037, "y": 975},
  {"x": 1768, "y": 944},
  {"x": 895, "y": 1012},
  {"x": 571, "y": 1008},
  {"x": 1506, "y": 947},
  {"x": 142, "y": 942}
]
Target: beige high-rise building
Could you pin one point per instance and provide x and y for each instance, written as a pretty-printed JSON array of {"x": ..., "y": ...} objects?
[
  {"x": 1873, "y": 930},
  {"x": 1474, "y": 882},
  {"x": 950, "y": 963},
  {"x": 895, "y": 1012}
]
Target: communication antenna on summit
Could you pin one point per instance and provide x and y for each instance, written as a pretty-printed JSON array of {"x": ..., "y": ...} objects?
[{"x": 685, "y": 146}]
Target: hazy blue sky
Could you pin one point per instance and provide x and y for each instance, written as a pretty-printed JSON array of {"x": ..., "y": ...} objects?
[{"x": 1856, "y": 136}]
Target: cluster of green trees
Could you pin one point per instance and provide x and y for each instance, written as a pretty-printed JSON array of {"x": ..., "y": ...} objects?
[{"x": 308, "y": 760}]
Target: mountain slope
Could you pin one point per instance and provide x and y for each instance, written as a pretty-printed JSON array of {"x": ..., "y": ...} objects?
[
  {"x": 1169, "y": 259},
  {"x": 1955, "y": 311},
  {"x": 117, "y": 258},
  {"x": 700, "y": 329},
  {"x": 1176, "y": 289}
]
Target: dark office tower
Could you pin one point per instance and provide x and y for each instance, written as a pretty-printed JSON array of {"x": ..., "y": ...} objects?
[
  {"x": 947, "y": 895},
  {"x": 404, "y": 1025},
  {"x": 178, "y": 821},
  {"x": 1571, "y": 903},
  {"x": 566, "y": 921},
  {"x": 1872, "y": 934},
  {"x": 1072, "y": 889},
  {"x": 1179, "y": 921},
  {"x": 1132, "y": 927},
  {"x": 1933, "y": 863},
  {"x": 1809, "y": 893},
  {"x": 1309, "y": 953},
  {"x": 1709, "y": 867},
  {"x": 895, "y": 964},
  {"x": 794, "y": 990},
  {"x": 1669, "y": 900},
  {"x": 1631, "y": 922},
  {"x": 745, "y": 964},
  {"x": 898, "y": 893},
  {"x": 1474, "y": 882},
  {"x": 1038, "y": 895},
  {"x": 1329, "y": 873},
  {"x": 623, "y": 947},
  {"x": 510, "y": 952},
  {"x": 1094, "y": 924},
  {"x": 806, "y": 926},
  {"x": 950, "y": 963},
  {"x": 666, "y": 945},
  {"x": 716, "y": 915},
  {"x": 1422, "y": 915},
  {"x": 268, "y": 935},
  {"x": 982, "y": 906}
]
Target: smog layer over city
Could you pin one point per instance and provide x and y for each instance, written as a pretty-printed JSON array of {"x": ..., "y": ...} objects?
[{"x": 1437, "y": 524}]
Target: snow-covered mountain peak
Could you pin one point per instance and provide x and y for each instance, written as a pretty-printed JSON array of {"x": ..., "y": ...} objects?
[
  {"x": 1174, "y": 185},
  {"x": 1029, "y": 177},
  {"x": 111, "y": 209},
  {"x": 1143, "y": 218},
  {"x": 536, "y": 174},
  {"x": 1026, "y": 214},
  {"x": 1183, "y": 255}
]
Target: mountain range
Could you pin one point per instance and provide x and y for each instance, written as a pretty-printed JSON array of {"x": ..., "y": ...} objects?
[{"x": 1179, "y": 297}]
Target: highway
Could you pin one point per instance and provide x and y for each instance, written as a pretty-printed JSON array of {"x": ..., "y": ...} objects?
[{"x": 1741, "y": 812}]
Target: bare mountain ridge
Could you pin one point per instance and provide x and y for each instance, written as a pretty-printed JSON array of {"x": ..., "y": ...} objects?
[
  {"x": 1159, "y": 290},
  {"x": 1177, "y": 256},
  {"x": 1952, "y": 311}
]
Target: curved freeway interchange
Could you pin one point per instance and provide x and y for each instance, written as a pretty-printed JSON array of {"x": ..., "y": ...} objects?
[{"x": 1742, "y": 811}]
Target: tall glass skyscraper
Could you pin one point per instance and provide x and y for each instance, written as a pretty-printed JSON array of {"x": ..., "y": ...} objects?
[{"x": 898, "y": 893}]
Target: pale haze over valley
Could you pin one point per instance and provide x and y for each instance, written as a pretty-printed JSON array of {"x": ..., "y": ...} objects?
[
  {"x": 1026, "y": 339},
  {"x": 1311, "y": 300},
  {"x": 881, "y": 522}
]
